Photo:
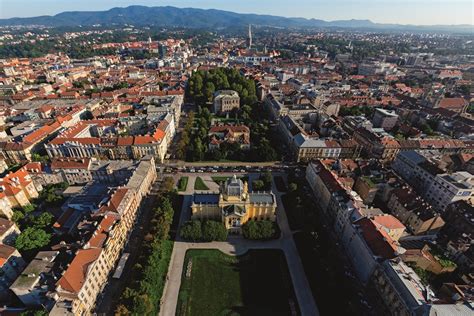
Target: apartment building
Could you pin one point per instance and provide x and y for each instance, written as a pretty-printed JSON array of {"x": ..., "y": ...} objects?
[
  {"x": 35, "y": 283},
  {"x": 436, "y": 187},
  {"x": 158, "y": 106},
  {"x": 11, "y": 265},
  {"x": 17, "y": 188},
  {"x": 403, "y": 293},
  {"x": 8, "y": 232},
  {"x": 385, "y": 119},
  {"x": 419, "y": 217},
  {"x": 99, "y": 138},
  {"x": 88, "y": 272},
  {"x": 377, "y": 143}
]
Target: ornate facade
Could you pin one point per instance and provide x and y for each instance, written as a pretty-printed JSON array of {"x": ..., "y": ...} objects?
[{"x": 234, "y": 205}]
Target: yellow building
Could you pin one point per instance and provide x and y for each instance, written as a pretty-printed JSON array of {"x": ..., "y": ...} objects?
[{"x": 234, "y": 205}]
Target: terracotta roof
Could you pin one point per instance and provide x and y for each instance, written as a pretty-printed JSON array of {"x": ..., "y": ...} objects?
[
  {"x": 452, "y": 103},
  {"x": 114, "y": 202},
  {"x": 125, "y": 141},
  {"x": 388, "y": 221},
  {"x": 70, "y": 163},
  {"x": 377, "y": 239},
  {"x": 101, "y": 233},
  {"x": 142, "y": 140},
  {"x": 5, "y": 253},
  {"x": 159, "y": 134},
  {"x": 5, "y": 225},
  {"x": 75, "y": 275}
]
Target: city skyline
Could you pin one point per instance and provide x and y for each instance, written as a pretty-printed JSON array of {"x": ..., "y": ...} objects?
[{"x": 419, "y": 12}]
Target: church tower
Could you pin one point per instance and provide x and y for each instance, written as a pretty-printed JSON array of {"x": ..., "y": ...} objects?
[{"x": 249, "y": 38}]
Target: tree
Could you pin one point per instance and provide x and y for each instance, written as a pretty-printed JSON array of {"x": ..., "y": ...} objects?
[
  {"x": 32, "y": 238},
  {"x": 29, "y": 208},
  {"x": 266, "y": 177},
  {"x": 191, "y": 231},
  {"x": 209, "y": 91},
  {"x": 292, "y": 187},
  {"x": 167, "y": 185},
  {"x": 42, "y": 221},
  {"x": 212, "y": 230},
  {"x": 87, "y": 115},
  {"x": 18, "y": 216},
  {"x": 121, "y": 310},
  {"x": 259, "y": 230},
  {"x": 250, "y": 230},
  {"x": 258, "y": 185}
]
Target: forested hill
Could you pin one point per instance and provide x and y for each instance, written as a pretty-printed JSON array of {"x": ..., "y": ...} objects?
[{"x": 200, "y": 18}]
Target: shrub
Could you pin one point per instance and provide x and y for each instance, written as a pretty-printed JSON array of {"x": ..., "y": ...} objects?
[
  {"x": 259, "y": 230},
  {"x": 212, "y": 230},
  {"x": 191, "y": 231},
  {"x": 258, "y": 185},
  {"x": 205, "y": 231}
]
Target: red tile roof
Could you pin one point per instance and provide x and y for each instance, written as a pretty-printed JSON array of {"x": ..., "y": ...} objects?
[
  {"x": 75, "y": 275},
  {"x": 377, "y": 239}
]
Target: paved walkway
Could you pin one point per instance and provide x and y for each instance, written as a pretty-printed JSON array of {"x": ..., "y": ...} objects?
[
  {"x": 237, "y": 246},
  {"x": 213, "y": 187}
]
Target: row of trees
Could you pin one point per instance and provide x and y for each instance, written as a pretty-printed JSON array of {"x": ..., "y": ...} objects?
[
  {"x": 263, "y": 183},
  {"x": 143, "y": 294},
  {"x": 260, "y": 230},
  {"x": 185, "y": 139},
  {"x": 208, "y": 230}
]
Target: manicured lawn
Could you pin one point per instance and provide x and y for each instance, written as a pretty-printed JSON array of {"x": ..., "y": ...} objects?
[
  {"x": 257, "y": 283},
  {"x": 220, "y": 179},
  {"x": 200, "y": 185},
  {"x": 182, "y": 184}
]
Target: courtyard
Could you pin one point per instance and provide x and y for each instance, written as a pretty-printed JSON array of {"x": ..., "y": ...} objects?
[{"x": 256, "y": 283}]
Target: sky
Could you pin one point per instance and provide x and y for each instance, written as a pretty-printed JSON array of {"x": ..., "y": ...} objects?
[{"x": 418, "y": 12}]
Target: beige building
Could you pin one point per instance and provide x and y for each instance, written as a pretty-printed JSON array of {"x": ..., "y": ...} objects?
[
  {"x": 8, "y": 232},
  {"x": 419, "y": 217},
  {"x": 88, "y": 273},
  {"x": 234, "y": 205},
  {"x": 225, "y": 101},
  {"x": 11, "y": 265},
  {"x": 18, "y": 189},
  {"x": 426, "y": 260}
]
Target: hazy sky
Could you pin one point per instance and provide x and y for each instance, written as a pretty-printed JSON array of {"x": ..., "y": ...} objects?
[{"x": 385, "y": 11}]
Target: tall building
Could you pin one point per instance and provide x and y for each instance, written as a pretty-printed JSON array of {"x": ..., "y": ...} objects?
[{"x": 249, "y": 38}]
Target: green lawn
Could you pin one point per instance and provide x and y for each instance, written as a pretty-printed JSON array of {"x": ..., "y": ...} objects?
[
  {"x": 199, "y": 184},
  {"x": 182, "y": 184},
  {"x": 257, "y": 283},
  {"x": 220, "y": 179}
]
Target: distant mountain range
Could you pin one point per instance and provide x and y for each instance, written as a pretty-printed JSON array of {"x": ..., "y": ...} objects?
[{"x": 200, "y": 18}]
